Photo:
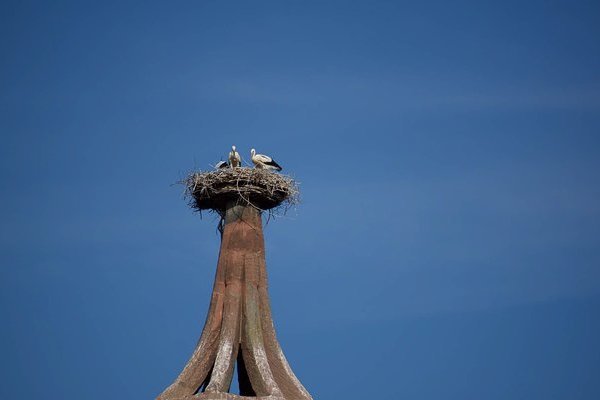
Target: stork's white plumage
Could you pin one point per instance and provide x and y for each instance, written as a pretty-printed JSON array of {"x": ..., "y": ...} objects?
[
  {"x": 234, "y": 158},
  {"x": 221, "y": 165},
  {"x": 262, "y": 161}
]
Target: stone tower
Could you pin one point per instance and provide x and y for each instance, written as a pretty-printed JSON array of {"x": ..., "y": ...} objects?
[{"x": 239, "y": 327}]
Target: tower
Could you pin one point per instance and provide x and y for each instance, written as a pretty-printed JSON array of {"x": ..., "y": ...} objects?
[{"x": 239, "y": 327}]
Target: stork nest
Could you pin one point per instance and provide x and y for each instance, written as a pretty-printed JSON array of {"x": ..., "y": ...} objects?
[{"x": 259, "y": 188}]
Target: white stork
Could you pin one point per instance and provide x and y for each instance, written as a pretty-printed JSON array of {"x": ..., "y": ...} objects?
[
  {"x": 262, "y": 161},
  {"x": 221, "y": 165},
  {"x": 234, "y": 158}
]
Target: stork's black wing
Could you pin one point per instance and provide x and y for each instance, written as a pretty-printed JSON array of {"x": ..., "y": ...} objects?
[{"x": 273, "y": 164}]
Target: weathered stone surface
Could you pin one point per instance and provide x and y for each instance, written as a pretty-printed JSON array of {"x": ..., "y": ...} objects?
[{"x": 239, "y": 327}]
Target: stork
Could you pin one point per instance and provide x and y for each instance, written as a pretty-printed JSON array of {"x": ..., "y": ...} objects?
[
  {"x": 221, "y": 165},
  {"x": 234, "y": 158},
  {"x": 262, "y": 161}
]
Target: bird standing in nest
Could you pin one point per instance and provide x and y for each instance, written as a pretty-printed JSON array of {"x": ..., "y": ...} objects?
[
  {"x": 234, "y": 158},
  {"x": 265, "y": 162},
  {"x": 221, "y": 165}
]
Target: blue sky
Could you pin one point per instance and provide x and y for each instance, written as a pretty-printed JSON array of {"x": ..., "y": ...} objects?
[{"x": 447, "y": 244}]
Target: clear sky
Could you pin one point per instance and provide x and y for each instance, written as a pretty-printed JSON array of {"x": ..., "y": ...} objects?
[{"x": 448, "y": 241}]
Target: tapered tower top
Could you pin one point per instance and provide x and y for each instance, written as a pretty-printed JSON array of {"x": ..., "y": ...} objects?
[
  {"x": 260, "y": 188},
  {"x": 239, "y": 328}
]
